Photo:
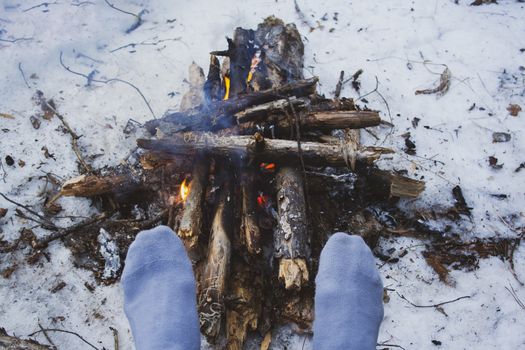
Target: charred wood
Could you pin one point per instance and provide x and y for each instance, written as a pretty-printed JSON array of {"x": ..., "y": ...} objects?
[
  {"x": 273, "y": 150},
  {"x": 250, "y": 231},
  {"x": 219, "y": 114}
]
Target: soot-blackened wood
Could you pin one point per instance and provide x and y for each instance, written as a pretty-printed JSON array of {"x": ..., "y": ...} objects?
[
  {"x": 241, "y": 50},
  {"x": 219, "y": 114},
  {"x": 250, "y": 231},
  {"x": 192, "y": 217},
  {"x": 213, "y": 86},
  {"x": 216, "y": 271},
  {"x": 324, "y": 121},
  {"x": 291, "y": 239},
  {"x": 272, "y": 150},
  {"x": 244, "y": 303}
]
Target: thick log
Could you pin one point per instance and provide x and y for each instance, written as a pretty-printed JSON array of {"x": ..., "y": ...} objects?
[
  {"x": 12, "y": 343},
  {"x": 194, "y": 96},
  {"x": 271, "y": 150},
  {"x": 214, "y": 279},
  {"x": 291, "y": 239},
  {"x": 244, "y": 307},
  {"x": 378, "y": 185},
  {"x": 263, "y": 111},
  {"x": 93, "y": 185},
  {"x": 250, "y": 231},
  {"x": 191, "y": 219},
  {"x": 219, "y": 114},
  {"x": 323, "y": 121}
]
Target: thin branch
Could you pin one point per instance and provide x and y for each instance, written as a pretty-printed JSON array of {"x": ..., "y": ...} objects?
[
  {"x": 28, "y": 210},
  {"x": 45, "y": 4},
  {"x": 143, "y": 43},
  {"x": 115, "y": 338},
  {"x": 138, "y": 17},
  {"x": 74, "y": 139},
  {"x": 390, "y": 345},
  {"x": 512, "y": 292},
  {"x": 23, "y": 75},
  {"x": 433, "y": 305},
  {"x": 15, "y": 40},
  {"x": 108, "y": 81},
  {"x": 64, "y": 331},
  {"x": 47, "y": 337},
  {"x": 121, "y": 10},
  {"x": 64, "y": 232},
  {"x": 339, "y": 85}
]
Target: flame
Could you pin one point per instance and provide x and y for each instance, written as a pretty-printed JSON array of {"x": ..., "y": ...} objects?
[
  {"x": 184, "y": 190},
  {"x": 262, "y": 200},
  {"x": 255, "y": 62},
  {"x": 267, "y": 167},
  {"x": 226, "y": 87}
]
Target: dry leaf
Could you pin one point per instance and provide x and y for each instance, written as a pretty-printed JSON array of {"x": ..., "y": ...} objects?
[
  {"x": 514, "y": 109},
  {"x": 7, "y": 116},
  {"x": 442, "y": 88}
]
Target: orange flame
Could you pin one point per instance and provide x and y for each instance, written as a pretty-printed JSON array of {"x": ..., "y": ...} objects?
[
  {"x": 226, "y": 87},
  {"x": 262, "y": 200},
  {"x": 255, "y": 62},
  {"x": 184, "y": 190},
  {"x": 267, "y": 167}
]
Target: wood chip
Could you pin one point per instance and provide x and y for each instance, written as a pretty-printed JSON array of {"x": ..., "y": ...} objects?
[{"x": 442, "y": 88}]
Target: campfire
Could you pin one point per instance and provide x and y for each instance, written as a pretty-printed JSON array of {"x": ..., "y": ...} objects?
[{"x": 253, "y": 173}]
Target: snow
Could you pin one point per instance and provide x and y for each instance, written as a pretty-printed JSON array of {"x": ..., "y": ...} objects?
[{"x": 405, "y": 44}]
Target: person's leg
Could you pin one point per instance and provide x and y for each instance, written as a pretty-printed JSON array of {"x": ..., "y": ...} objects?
[
  {"x": 348, "y": 296},
  {"x": 159, "y": 292}
]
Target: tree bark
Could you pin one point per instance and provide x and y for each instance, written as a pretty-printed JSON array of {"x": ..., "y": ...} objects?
[
  {"x": 291, "y": 239},
  {"x": 12, "y": 343},
  {"x": 216, "y": 270},
  {"x": 272, "y": 150},
  {"x": 250, "y": 231},
  {"x": 190, "y": 224}
]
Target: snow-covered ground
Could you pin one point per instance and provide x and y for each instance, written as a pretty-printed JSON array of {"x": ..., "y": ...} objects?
[{"x": 405, "y": 44}]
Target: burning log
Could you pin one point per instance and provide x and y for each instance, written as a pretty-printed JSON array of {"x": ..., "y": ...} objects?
[
  {"x": 291, "y": 240},
  {"x": 190, "y": 224},
  {"x": 216, "y": 270},
  {"x": 219, "y": 114},
  {"x": 250, "y": 232},
  {"x": 272, "y": 150}
]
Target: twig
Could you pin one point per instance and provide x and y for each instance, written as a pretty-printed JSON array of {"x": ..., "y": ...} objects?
[
  {"x": 15, "y": 40},
  {"x": 303, "y": 17},
  {"x": 515, "y": 296},
  {"x": 83, "y": 3},
  {"x": 28, "y": 210},
  {"x": 433, "y": 305},
  {"x": 115, "y": 337},
  {"x": 64, "y": 232},
  {"x": 138, "y": 17},
  {"x": 45, "y": 4},
  {"x": 339, "y": 85},
  {"x": 47, "y": 336},
  {"x": 143, "y": 43},
  {"x": 64, "y": 331},
  {"x": 107, "y": 82},
  {"x": 391, "y": 345},
  {"x": 74, "y": 139},
  {"x": 23, "y": 75}
]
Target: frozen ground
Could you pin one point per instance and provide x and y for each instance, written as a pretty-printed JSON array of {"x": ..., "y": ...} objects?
[{"x": 482, "y": 46}]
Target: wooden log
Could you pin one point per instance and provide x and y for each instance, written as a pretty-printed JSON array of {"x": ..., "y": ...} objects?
[
  {"x": 291, "y": 239},
  {"x": 250, "y": 231},
  {"x": 93, "y": 185},
  {"x": 378, "y": 185},
  {"x": 214, "y": 278},
  {"x": 263, "y": 111},
  {"x": 318, "y": 121},
  {"x": 271, "y": 150},
  {"x": 8, "y": 342},
  {"x": 212, "y": 87},
  {"x": 191, "y": 219},
  {"x": 244, "y": 306},
  {"x": 194, "y": 96},
  {"x": 219, "y": 114}
]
